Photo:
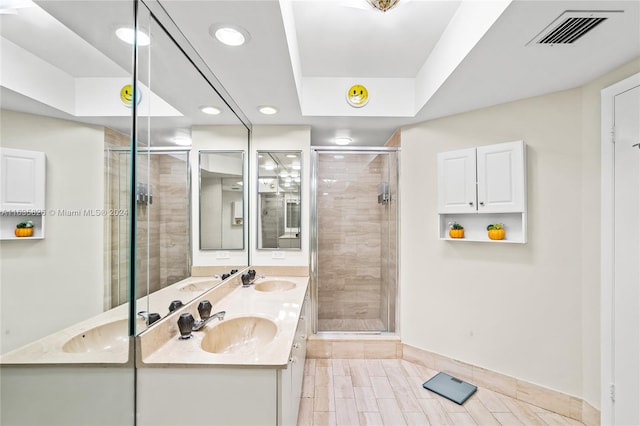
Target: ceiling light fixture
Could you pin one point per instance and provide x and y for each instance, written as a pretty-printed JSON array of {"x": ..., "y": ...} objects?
[
  {"x": 128, "y": 35},
  {"x": 342, "y": 141},
  {"x": 267, "y": 109},
  {"x": 230, "y": 35},
  {"x": 211, "y": 110},
  {"x": 383, "y": 5}
]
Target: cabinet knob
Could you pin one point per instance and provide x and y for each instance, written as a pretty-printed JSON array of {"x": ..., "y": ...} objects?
[
  {"x": 296, "y": 345},
  {"x": 482, "y": 203},
  {"x": 471, "y": 203}
]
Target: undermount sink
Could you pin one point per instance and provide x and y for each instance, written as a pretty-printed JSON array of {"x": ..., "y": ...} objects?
[
  {"x": 200, "y": 286},
  {"x": 274, "y": 285},
  {"x": 109, "y": 336},
  {"x": 240, "y": 335}
]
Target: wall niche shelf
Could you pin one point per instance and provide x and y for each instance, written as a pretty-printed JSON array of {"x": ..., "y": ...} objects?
[
  {"x": 482, "y": 186},
  {"x": 8, "y": 225},
  {"x": 475, "y": 227}
]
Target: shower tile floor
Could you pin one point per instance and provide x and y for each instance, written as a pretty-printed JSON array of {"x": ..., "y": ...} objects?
[
  {"x": 355, "y": 392},
  {"x": 351, "y": 325}
]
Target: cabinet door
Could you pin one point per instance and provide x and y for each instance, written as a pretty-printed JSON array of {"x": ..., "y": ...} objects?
[
  {"x": 22, "y": 179},
  {"x": 501, "y": 182},
  {"x": 457, "y": 181}
]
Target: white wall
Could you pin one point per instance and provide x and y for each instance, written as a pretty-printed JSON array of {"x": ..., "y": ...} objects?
[
  {"x": 282, "y": 138},
  {"x": 216, "y": 138},
  {"x": 529, "y": 311},
  {"x": 52, "y": 283}
]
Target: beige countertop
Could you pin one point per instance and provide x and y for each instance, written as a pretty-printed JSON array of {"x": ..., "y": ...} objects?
[
  {"x": 161, "y": 347},
  {"x": 104, "y": 340}
]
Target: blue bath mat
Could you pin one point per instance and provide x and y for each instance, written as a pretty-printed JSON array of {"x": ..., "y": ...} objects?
[{"x": 451, "y": 388}]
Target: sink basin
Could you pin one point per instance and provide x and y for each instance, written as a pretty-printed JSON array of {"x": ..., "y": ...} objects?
[
  {"x": 110, "y": 336},
  {"x": 274, "y": 285},
  {"x": 200, "y": 286},
  {"x": 241, "y": 335}
]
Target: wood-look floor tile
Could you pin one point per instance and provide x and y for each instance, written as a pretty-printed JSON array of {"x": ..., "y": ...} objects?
[
  {"x": 305, "y": 412},
  {"x": 491, "y": 400},
  {"x": 324, "y": 376},
  {"x": 340, "y": 367},
  {"x": 310, "y": 366},
  {"x": 462, "y": 419},
  {"x": 343, "y": 387},
  {"x": 324, "y": 418},
  {"x": 308, "y": 385},
  {"x": 410, "y": 369},
  {"x": 450, "y": 406},
  {"x": 370, "y": 419},
  {"x": 434, "y": 411},
  {"x": 346, "y": 412},
  {"x": 415, "y": 384},
  {"x": 507, "y": 419},
  {"x": 375, "y": 368},
  {"x": 360, "y": 377},
  {"x": 365, "y": 399},
  {"x": 390, "y": 412},
  {"x": 553, "y": 419},
  {"x": 480, "y": 414},
  {"x": 324, "y": 399},
  {"x": 406, "y": 400},
  {"x": 381, "y": 387},
  {"x": 415, "y": 418},
  {"x": 522, "y": 411}
]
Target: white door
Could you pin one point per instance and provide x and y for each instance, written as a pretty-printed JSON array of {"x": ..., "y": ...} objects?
[
  {"x": 457, "y": 181},
  {"x": 501, "y": 178},
  {"x": 626, "y": 262}
]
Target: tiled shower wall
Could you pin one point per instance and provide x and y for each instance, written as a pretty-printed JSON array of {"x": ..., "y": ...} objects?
[
  {"x": 353, "y": 234},
  {"x": 162, "y": 226}
]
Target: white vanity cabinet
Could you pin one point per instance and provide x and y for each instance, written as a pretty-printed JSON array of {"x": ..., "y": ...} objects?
[
  {"x": 22, "y": 191},
  {"x": 290, "y": 384},
  {"x": 483, "y": 185}
]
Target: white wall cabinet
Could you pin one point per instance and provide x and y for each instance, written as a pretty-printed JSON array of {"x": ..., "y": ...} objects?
[
  {"x": 22, "y": 191},
  {"x": 483, "y": 185}
]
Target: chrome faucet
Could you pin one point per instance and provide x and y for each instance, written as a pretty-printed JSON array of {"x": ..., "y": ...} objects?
[{"x": 187, "y": 324}]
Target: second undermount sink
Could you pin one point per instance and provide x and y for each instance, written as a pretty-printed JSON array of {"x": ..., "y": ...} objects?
[
  {"x": 111, "y": 336},
  {"x": 274, "y": 285},
  {"x": 200, "y": 286},
  {"x": 240, "y": 335}
]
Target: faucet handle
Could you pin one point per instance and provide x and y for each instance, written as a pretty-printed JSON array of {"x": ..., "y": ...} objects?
[
  {"x": 225, "y": 276},
  {"x": 204, "y": 309},
  {"x": 153, "y": 317},
  {"x": 175, "y": 304},
  {"x": 233, "y": 271},
  {"x": 246, "y": 279},
  {"x": 185, "y": 325}
]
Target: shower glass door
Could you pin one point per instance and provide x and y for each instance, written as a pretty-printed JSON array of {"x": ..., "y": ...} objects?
[{"x": 354, "y": 238}]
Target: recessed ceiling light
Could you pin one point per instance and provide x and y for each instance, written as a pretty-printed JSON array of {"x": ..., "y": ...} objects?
[
  {"x": 267, "y": 109},
  {"x": 181, "y": 140},
  {"x": 127, "y": 35},
  {"x": 231, "y": 35},
  {"x": 342, "y": 141},
  {"x": 211, "y": 110},
  {"x": 292, "y": 156}
]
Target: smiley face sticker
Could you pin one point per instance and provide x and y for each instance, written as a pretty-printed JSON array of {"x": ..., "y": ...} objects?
[
  {"x": 357, "y": 96},
  {"x": 126, "y": 95}
]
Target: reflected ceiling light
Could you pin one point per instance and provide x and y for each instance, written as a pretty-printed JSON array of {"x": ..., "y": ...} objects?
[
  {"x": 383, "y": 5},
  {"x": 239, "y": 183},
  {"x": 292, "y": 156},
  {"x": 10, "y": 7},
  {"x": 295, "y": 166},
  {"x": 127, "y": 35},
  {"x": 230, "y": 35},
  {"x": 181, "y": 140},
  {"x": 211, "y": 110},
  {"x": 269, "y": 166},
  {"x": 342, "y": 141},
  {"x": 283, "y": 174},
  {"x": 267, "y": 109}
]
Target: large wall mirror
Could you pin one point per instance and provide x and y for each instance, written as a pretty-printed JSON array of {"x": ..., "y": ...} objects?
[
  {"x": 221, "y": 200},
  {"x": 279, "y": 218}
]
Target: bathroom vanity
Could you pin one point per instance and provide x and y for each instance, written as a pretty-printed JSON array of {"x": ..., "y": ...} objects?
[{"x": 245, "y": 369}]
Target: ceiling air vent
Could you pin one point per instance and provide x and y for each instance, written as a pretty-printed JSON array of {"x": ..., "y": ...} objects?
[{"x": 572, "y": 25}]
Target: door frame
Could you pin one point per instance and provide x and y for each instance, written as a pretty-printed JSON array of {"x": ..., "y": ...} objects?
[{"x": 607, "y": 242}]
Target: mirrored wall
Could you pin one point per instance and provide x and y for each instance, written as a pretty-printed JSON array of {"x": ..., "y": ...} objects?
[{"x": 116, "y": 230}]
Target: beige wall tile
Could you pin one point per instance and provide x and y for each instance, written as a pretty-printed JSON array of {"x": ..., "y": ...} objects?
[
  {"x": 318, "y": 349},
  {"x": 348, "y": 349},
  {"x": 495, "y": 381},
  {"x": 590, "y": 415},
  {"x": 380, "y": 350},
  {"x": 542, "y": 397}
]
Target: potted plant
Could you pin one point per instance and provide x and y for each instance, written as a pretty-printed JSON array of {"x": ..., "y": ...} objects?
[
  {"x": 496, "y": 231},
  {"x": 24, "y": 229},
  {"x": 456, "y": 230}
]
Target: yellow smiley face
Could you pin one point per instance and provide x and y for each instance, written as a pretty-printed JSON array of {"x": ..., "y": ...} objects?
[
  {"x": 357, "y": 96},
  {"x": 126, "y": 95}
]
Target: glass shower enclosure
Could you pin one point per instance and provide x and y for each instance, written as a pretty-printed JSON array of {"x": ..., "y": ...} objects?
[{"x": 354, "y": 239}]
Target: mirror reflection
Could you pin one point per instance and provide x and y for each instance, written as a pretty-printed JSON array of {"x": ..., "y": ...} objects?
[
  {"x": 279, "y": 199},
  {"x": 221, "y": 200}
]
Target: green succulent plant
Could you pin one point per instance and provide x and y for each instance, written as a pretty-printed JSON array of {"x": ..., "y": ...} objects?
[{"x": 27, "y": 224}]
